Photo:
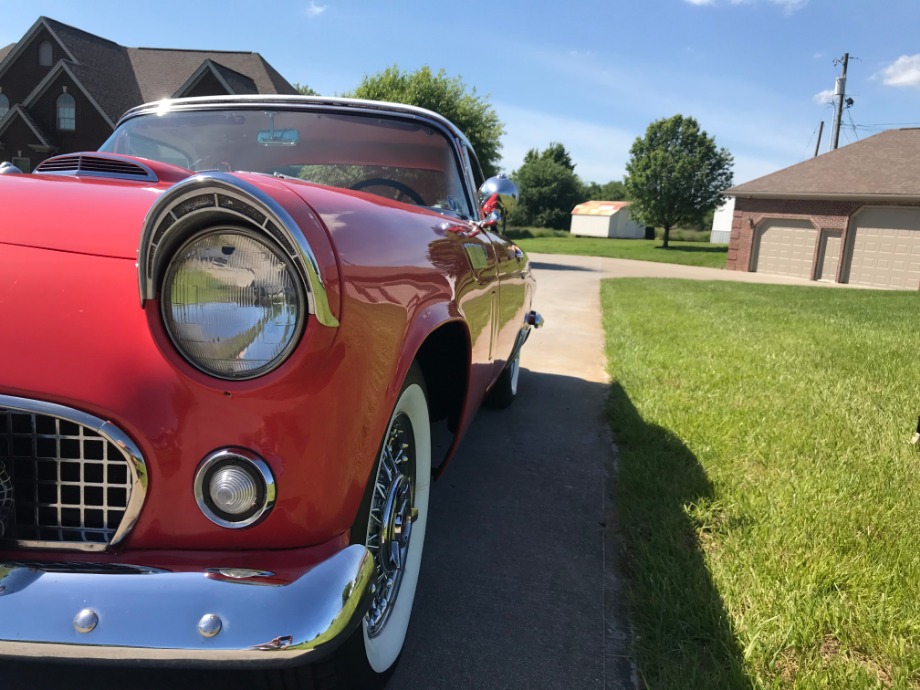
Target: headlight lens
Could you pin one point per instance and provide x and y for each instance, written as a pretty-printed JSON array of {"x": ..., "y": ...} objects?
[{"x": 232, "y": 305}]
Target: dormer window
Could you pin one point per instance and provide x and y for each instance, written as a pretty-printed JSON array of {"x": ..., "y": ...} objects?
[
  {"x": 4, "y": 105},
  {"x": 66, "y": 113},
  {"x": 44, "y": 54}
]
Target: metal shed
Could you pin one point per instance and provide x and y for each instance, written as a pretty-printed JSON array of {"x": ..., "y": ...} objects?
[
  {"x": 722, "y": 222},
  {"x": 605, "y": 219}
]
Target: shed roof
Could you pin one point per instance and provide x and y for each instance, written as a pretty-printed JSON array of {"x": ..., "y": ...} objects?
[
  {"x": 599, "y": 208},
  {"x": 883, "y": 166}
]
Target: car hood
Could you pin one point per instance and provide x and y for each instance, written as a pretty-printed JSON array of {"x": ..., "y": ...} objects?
[{"x": 96, "y": 216}]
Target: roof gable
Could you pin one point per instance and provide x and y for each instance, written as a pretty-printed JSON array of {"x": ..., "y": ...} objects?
[
  {"x": 14, "y": 50},
  {"x": 233, "y": 82},
  {"x": 64, "y": 68},
  {"x": 17, "y": 112},
  {"x": 163, "y": 73},
  {"x": 886, "y": 165}
]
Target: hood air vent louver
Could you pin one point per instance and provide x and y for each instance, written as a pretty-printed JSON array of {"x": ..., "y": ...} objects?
[{"x": 96, "y": 165}]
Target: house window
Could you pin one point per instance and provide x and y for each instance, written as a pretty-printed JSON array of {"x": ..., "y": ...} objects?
[
  {"x": 4, "y": 105},
  {"x": 66, "y": 113},
  {"x": 44, "y": 54}
]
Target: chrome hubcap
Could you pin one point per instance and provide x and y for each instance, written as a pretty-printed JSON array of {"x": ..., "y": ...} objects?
[{"x": 391, "y": 518}]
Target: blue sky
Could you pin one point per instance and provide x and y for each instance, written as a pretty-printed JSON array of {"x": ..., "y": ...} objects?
[{"x": 589, "y": 74}]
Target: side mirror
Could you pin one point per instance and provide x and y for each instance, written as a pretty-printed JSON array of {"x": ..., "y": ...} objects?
[{"x": 497, "y": 197}]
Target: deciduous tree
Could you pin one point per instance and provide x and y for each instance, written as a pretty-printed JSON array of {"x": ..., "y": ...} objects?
[
  {"x": 611, "y": 191},
  {"x": 304, "y": 90},
  {"x": 675, "y": 173},
  {"x": 549, "y": 189},
  {"x": 447, "y": 96}
]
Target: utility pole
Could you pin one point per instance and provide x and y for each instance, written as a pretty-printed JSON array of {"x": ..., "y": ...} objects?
[
  {"x": 840, "y": 88},
  {"x": 820, "y": 132}
]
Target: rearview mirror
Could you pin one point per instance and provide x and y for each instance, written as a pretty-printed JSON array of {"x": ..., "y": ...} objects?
[{"x": 278, "y": 137}]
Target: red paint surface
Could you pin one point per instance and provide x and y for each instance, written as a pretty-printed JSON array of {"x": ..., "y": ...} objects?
[{"x": 72, "y": 332}]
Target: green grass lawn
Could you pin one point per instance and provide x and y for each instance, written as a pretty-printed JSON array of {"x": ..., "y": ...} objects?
[
  {"x": 687, "y": 253},
  {"x": 769, "y": 495}
]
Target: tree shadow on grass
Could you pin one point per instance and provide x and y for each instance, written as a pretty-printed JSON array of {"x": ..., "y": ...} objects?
[
  {"x": 704, "y": 248},
  {"x": 684, "y": 637}
]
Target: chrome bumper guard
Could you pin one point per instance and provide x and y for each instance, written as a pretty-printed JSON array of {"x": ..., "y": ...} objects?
[{"x": 201, "y": 618}]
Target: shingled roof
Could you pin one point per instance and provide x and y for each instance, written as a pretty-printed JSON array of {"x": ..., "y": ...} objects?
[
  {"x": 102, "y": 66},
  {"x": 119, "y": 78},
  {"x": 883, "y": 166},
  {"x": 161, "y": 72}
]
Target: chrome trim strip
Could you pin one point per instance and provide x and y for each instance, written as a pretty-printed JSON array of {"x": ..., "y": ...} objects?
[
  {"x": 155, "y": 617},
  {"x": 132, "y": 454},
  {"x": 263, "y": 101},
  {"x": 151, "y": 256}
]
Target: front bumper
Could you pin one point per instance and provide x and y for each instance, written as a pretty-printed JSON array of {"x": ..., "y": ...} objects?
[{"x": 182, "y": 618}]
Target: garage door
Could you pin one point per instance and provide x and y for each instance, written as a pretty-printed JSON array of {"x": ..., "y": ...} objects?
[
  {"x": 786, "y": 247},
  {"x": 886, "y": 248}
]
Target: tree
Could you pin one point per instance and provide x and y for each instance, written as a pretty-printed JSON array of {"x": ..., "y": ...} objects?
[
  {"x": 304, "y": 90},
  {"x": 447, "y": 96},
  {"x": 549, "y": 189},
  {"x": 612, "y": 191},
  {"x": 675, "y": 173}
]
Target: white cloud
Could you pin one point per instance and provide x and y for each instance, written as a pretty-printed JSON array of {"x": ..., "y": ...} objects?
[
  {"x": 905, "y": 71},
  {"x": 824, "y": 97},
  {"x": 314, "y": 9},
  {"x": 789, "y": 6}
]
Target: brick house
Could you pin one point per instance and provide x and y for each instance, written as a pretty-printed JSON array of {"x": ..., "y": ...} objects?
[
  {"x": 63, "y": 89},
  {"x": 849, "y": 216}
]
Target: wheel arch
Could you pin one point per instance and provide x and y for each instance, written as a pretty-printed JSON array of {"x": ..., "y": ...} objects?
[{"x": 444, "y": 358}]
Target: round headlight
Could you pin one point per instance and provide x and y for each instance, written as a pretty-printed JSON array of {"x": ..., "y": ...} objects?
[
  {"x": 234, "y": 487},
  {"x": 232, "y": 305}
]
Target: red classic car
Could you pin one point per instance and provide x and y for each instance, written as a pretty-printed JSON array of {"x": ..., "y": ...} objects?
[{"x": 225, "y": 339}]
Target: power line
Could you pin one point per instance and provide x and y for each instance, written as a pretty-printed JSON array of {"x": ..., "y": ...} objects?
[
  {"x": 883, "y": 125},
  {"x": 852, "y": 124}
]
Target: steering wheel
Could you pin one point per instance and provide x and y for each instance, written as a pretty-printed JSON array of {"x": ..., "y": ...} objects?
[{"x": 384, "y": 182}]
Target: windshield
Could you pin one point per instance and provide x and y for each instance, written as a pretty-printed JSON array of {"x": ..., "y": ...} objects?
[{"x": 399, "y": 159}]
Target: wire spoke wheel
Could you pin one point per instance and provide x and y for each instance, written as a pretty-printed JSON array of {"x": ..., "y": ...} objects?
[
  {"x": 393, "y": 524},
  {"x": 392, "y": 515}
]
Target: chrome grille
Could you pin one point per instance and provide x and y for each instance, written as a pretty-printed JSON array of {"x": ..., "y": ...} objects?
[{"x": 74, "y": 478}]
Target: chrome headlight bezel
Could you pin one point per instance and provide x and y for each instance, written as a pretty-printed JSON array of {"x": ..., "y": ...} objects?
[{"x": 177, "y": 261}]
